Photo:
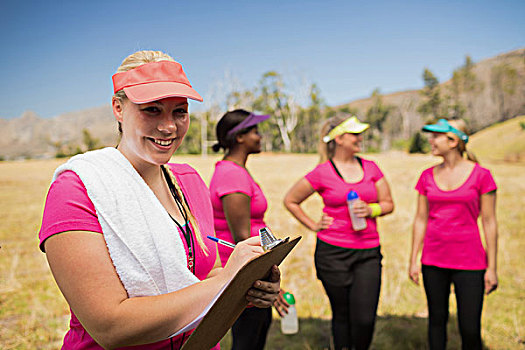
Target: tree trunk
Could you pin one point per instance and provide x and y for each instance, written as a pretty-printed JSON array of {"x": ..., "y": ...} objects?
[{"x": 284, "y": 134}]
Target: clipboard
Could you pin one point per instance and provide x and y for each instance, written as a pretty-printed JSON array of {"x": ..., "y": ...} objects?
[{"x": 232, "y": 302}]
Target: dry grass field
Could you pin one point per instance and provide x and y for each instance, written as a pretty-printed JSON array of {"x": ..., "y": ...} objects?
[{"x": 34, "y": 315}]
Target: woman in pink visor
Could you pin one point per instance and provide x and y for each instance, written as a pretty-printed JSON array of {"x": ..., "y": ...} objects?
[
  {"x": 123, "y": 229},
  {"x": 347, "y": 258},
  {"x": 452, "y": 195}
]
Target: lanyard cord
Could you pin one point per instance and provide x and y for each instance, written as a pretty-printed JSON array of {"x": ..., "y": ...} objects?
[{"x": 186, "y": 230}]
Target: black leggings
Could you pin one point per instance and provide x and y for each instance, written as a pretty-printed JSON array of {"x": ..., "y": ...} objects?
[
  {"x": 469, "y": 288},
  {"x": 251, "y": 328},
  {"x": 354, "y": 305}
]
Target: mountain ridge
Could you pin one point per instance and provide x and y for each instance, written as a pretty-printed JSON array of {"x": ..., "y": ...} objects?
[{"x": 30, "y": 136}]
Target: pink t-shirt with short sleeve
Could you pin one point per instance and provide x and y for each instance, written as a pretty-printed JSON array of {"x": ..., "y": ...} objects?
[
  {"x": 333, "y": 190},
  {"x": 228, "y": 178},
  {"x": 68, "y": 208},
  {"x": 452, "y": 238}
]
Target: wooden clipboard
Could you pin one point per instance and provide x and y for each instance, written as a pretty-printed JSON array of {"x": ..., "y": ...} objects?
[{"x": 232, "y": 302}]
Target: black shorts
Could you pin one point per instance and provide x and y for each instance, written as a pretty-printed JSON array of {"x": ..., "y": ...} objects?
[{"x": 334, "y": 265}]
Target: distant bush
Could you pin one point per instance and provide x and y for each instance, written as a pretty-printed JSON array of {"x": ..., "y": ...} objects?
[
  {"x": 61, "y": 154},
  {"x": 371, "y": 149},
  {"x": 522, "y": 124},
  {"x": 418, "y": 144},
  {"x": 400, "y": 144},
  {"x": 65, "y": 151},
  {"x": 90, "y": 142}
]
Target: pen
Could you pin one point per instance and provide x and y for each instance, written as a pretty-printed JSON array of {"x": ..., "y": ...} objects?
[{"x": 223, "y": 242}]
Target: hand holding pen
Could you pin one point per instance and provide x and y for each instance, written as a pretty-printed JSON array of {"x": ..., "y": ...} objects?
[{"x": 222, "y": 242}]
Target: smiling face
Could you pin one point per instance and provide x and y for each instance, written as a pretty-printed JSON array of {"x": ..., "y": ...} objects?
[
  {"x": 349, "y": 142},
  {"x": 151, "y": 132},
  {"x": 441, "y": 143}
]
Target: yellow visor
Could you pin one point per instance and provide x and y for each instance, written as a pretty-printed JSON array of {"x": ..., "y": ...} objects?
[{"x": 351, "y": 125}]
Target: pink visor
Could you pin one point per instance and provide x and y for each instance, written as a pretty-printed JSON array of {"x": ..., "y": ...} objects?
[{"x": 154, "y": 81}]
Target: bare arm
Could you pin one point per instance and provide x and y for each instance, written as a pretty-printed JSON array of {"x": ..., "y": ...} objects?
[
  {"x": 418, "y": 234},
  {"x": 85, "y": 274},
  {"x": 490, "y": 229},
  {"x": 384, "y": 199},
  {"x": 237, "y": 209},
  {"x": 292, "y": 201}
]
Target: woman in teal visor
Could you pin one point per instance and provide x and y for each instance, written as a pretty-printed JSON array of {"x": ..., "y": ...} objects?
[
  {"x": 452, "y": 195},
  {"x": 443, "y": 126}
]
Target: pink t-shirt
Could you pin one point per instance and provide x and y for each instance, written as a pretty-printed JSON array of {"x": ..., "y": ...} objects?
[
  {"x": 68, "y": 208},
  {"x": 229, "y": 178},
  {"x": 452, "y": 239},
  {"x": 333, "y": 190}
]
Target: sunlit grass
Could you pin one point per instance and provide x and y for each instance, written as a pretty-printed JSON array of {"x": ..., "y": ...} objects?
[{"x": 33, "y": 314}]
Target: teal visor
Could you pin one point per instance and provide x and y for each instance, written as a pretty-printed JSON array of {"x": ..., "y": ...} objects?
[{"x": 443, "y": 126}]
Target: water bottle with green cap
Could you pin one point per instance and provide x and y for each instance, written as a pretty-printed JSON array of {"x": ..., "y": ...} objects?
[{"x": 289, "y": 322}]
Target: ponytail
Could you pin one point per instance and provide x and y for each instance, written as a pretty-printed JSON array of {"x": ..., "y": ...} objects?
[
  {"x": 327, "y": 149},
  {"x": 462, "y": 146},
  {"x": 191, "y": 217}
]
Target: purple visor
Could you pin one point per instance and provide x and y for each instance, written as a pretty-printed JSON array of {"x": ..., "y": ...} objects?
[{"x": 250, "y": 120}]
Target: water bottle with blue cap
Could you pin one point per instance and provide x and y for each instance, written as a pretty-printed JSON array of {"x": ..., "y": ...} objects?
[{"x": 358, "y": 223}]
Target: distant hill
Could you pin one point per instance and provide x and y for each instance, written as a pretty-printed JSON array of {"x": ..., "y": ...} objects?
[
  {"x": 489, "y": 104},
  {"x": 29, "y": 136},
  {"x": 502, "y": 141},
  {"x": 32, "y": 137}
]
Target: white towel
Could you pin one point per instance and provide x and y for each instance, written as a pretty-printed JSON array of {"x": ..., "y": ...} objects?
[{"x": 142, "y": 240}]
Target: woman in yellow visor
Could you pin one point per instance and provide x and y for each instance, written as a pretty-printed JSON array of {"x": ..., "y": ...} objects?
[{"x": 347, "y": 260}]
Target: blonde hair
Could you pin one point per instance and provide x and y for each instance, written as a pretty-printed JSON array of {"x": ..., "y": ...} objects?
[
  {"x": 327, "y": 150},
  {"x": 462, "y": 146},
  {"x": 191, "y": 217},
  {"x": 137, "y": 59}
]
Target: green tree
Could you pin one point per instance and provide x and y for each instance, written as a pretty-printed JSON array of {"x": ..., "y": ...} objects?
[
  {"x": 432, "y": 99},
  {"x": 464, "y": 85},
  {"x": 378, "y": 112},
  {"x": 456, "y": 107},
  {"x": 90, "y": 142},
  {"x": 240, "y": 99},
  {"x": 376, "y": 116},
  {"x": 418, "y": 144},
  {"x": 192, "y": 140},
  {"x": 347, "y": 110},
  {"x": 272, "y": 99},
  {"x": 64, "y": 149},
  {"x": 504, "y": 79},
  {"x": 306, "y": 134}
]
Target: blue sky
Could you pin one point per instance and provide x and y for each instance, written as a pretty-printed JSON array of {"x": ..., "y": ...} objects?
[{"x": 58, "y": 56}]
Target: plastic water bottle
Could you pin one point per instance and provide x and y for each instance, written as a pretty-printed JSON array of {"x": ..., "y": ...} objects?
[
  {"x": 289, "y": 322},
  {"x": 357, "y": 222}
]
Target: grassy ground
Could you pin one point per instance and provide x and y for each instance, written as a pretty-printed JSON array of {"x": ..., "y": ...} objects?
[
  {"x": 502, "y": 141},
  {"x": 33, "y": 314}
]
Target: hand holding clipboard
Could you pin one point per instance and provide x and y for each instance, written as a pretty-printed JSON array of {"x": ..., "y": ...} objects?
[{"x": 232, "y": 301}]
